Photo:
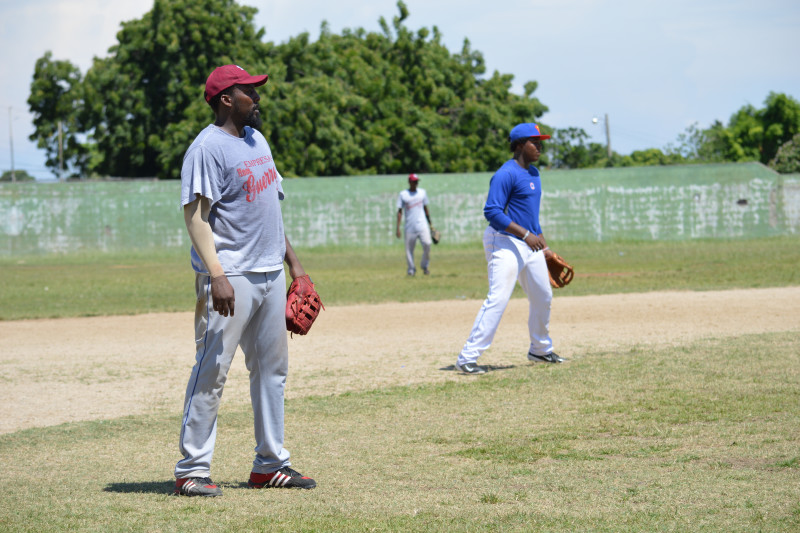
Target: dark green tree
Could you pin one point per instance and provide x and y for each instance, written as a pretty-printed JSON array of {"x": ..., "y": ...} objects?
[
  {"x": 651, "y": 157},
  {"x": 752, "y": 134},
  {"x": 568, "y": 148},
  {"x": 689, "y": 144},
  {"x": 392, "y": 101},
  {"x": 145, "y": 101},
  {"x": 17, "y": 175},
  {"x": 787, "y": 160},
  {"x": 56, "y": 101},
  {"x": 781, "y": 120}
]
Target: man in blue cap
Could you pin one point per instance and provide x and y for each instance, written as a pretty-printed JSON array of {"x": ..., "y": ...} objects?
[{"x": 515, "y": 250}]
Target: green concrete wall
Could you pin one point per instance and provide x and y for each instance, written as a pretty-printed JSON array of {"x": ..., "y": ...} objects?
[{"x": 643, "y": 203}]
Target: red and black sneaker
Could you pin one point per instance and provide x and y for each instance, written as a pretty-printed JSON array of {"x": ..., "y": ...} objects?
[
  {"x": 284, "y": 478},
  {"x": 197, "y": 486}
]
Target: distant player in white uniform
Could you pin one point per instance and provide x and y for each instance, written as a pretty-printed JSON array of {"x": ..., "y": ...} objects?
[
  {"x": 414, "y": 202},
  {"x": 515, "y": 251},
  {"x": 231, "y": 192}
]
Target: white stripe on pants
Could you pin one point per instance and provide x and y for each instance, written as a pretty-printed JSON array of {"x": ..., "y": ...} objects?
[
  {"x": 259, "y": 326},
  {"x": 510, "y": 260}
]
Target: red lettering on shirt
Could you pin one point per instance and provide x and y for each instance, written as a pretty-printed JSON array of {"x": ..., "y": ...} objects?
[
  {"x": 256, "y": 162},
  {"x": 253, "y": 187},
  {"x": 412, "y": 205}
]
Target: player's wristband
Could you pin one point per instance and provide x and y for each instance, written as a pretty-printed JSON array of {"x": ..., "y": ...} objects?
[{"x": 526, "y": 235}]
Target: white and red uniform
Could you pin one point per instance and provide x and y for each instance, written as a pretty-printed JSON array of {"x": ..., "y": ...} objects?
[{"x": 416, "y": 227}]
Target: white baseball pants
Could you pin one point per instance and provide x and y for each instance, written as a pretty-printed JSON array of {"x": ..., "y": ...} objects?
[
  {"x": 259, "y": 327},
  {"x": 424, "y": 236},
  {"x": 510, "y": 259}
]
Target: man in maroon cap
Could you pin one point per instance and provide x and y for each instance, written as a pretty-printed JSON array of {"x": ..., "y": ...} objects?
[
  {"x": 414, "y": 202},
  {"x": 231, "y": 192}
]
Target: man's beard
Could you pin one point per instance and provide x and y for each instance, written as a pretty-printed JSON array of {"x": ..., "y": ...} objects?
[{"x": 253, "y": 120}]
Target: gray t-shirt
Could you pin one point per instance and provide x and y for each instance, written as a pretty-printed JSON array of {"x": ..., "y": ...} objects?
[{"x": 239, "y": 178}]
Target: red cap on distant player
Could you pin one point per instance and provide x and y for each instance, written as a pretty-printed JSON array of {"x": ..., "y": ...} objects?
[
  {"x": 229, "y": 75},
  {"x": 413, "y": 177}
]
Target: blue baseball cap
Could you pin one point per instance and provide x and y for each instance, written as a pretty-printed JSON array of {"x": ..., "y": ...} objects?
[{"x": 525, "y": 131}]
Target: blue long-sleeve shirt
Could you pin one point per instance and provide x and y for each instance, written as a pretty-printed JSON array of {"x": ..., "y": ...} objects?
[{"x": 515, "y": 194}]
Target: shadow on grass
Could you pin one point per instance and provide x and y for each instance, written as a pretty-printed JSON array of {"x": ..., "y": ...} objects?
[
  {"x": 151, "y": 487},
  {"x": 489, "y": 368},
  {"x": 162, "y": 487}
]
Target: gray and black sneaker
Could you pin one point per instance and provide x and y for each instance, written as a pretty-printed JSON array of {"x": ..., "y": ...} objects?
[
  {"x": 285, "y": 478},
  {"x": 470, "y": 368},
  {"x": 551, "y": 357},
  {"x": 197, "y": 486}
]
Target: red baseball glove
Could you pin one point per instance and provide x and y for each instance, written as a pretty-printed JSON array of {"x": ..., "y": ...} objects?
[
  {"x": 560, "y": 271},
  {"x": 302, "y": 305}
]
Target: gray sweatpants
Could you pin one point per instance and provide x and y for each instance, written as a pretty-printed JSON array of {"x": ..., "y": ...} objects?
[{"x": 259, "y": 326}]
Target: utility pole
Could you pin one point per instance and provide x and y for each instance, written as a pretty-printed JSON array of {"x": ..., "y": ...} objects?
[
  {"x": 11, "y": 145},
  {"x": 60, "y": 152},
  {"x": 608, "y": 134}
]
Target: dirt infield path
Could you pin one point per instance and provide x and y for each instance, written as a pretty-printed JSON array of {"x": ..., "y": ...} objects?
[{"x": 96, "y": 368}]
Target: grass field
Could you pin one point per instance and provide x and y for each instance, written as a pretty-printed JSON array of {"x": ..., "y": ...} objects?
[
  {"x": 700, "y": 437},
  {"x": 147, "y": 281}
]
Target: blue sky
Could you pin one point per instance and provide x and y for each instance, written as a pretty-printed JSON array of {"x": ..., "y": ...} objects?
[{"x": 653, "y": 67}]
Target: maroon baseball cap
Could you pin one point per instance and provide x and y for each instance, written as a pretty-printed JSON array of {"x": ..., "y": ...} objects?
[
  {"x": 229, "y": 75},
  {"x": 413, "y": 177}
]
